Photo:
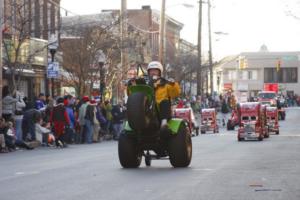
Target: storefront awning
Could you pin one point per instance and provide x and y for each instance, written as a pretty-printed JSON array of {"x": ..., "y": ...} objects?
[{"x": 23, "y": 72}]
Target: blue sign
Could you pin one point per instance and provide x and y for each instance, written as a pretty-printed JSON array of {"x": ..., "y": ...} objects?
[{"x": 53, "y": 70}]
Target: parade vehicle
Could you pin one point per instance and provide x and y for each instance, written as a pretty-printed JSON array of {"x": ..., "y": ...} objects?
[
  {"x": 267, "y": 97},
  {"x": 272, "y": 119},
  {"x": 142, "y": 135},
  {"x": 251, "y": 125},
  {"x": 188, "y": 115},
  {"x": 264, "y": 121},
  {"x": 209, "y": 121},
  {"x": 233, "y": 121}
]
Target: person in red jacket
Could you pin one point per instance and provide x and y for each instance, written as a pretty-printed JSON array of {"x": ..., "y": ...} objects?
[
  {"x": 59, "y": 119},
  {"x": 180, "y": 104}
]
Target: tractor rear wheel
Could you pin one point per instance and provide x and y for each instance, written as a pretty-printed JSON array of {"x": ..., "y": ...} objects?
[{"x": 180, "y": 148}]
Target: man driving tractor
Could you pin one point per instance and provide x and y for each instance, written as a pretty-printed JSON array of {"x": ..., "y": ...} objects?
[{"x": 165, "y": 91}]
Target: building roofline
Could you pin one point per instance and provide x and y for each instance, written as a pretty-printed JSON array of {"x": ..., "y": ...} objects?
[
  {"x": 157, "y": 14},
  {"x": 270, "y": 52}
]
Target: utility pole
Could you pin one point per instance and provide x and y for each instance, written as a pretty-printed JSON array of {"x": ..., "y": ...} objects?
[
  {"x": 161, "y": 55},
  {"x": 123, "y": 31},
  {"x": 210, "y": 49},
  {"x": 1, "y": 39},
  {"x": 199, "y": 70}
]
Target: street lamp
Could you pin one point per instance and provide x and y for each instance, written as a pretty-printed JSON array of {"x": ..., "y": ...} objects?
[
  {"x": 53, "y": 45},
  {"x": 101, "y": 62}
]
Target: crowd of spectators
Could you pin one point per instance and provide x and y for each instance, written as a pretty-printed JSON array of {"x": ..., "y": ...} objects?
[{"x": 57, "y": 122}]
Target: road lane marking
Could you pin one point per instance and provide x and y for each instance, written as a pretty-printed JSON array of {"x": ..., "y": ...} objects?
[
  {"x": 287, "y": 135},
  {"x": 268, "y": 190},
  {"x": 202, "y": 169},
  {"x": 26, "y": 173}
]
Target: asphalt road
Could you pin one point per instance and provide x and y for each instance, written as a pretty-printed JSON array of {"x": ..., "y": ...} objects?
[{"x": 221, "y": 168}]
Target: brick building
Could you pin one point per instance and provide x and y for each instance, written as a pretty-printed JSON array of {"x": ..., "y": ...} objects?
[
  {"x": 142, "y": 26},
  {"x": 32, "y": 26}
]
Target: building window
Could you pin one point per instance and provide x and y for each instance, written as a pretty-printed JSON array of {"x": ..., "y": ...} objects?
[
  {"x": 284, "y": 75},
  {"x": 252, "y": 75},
  {"x": 243, "y": 75},
  {"x": 231, "y": 75}
]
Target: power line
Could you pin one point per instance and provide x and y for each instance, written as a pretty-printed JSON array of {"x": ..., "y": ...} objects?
[{"x": 59, "y": 6}]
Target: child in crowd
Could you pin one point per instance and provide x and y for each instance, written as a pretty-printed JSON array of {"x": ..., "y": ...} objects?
[
  {"x": 3, "y": 148},
  {"x": 44, "y": 132},
  {"x": 10, "y": 137}
]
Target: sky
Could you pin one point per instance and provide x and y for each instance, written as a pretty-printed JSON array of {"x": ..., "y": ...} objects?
[{"x": 249, "y": 23}]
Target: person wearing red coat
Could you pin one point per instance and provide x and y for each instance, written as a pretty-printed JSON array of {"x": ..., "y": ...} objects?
[
  {"x": 180, "y": 104},
  {"x": 59, "y": 119}
]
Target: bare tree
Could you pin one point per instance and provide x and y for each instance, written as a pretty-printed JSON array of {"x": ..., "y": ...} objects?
[
  {"x": 80, "y": 55},
  {"x": 17, "y": 44},
  {"x": 292, "y": 9}
]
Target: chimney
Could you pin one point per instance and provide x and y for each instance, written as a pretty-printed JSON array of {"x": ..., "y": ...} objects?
[{"x": 147, "y": 7}]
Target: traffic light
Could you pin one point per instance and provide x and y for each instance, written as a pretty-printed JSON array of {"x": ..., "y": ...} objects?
[
  {"x": 278, "y": 65},
  {"x": 243, "y": 63}
]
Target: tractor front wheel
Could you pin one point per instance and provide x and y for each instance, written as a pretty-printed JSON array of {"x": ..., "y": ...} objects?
[{"x": 129, "y": 155}]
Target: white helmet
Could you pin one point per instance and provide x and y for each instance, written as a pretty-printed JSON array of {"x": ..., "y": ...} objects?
[{"x": 155, "y": 65}]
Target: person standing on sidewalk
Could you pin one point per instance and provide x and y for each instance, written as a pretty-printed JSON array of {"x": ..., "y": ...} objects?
[
  {"x": 224, "y": 111},
  {"x": 40, "y": 102},
  {"x": 108, "y": 108},
  {"x": 8, "y": 104},
  {"x": 81, "y": 120},
  {"x": 70, "y": 131},
  {"x": 117, "y": 119},
  {"x": 18, "y": 117},
  {"x": 90, "y": 117},
  {"x": 60, "y": 119}
]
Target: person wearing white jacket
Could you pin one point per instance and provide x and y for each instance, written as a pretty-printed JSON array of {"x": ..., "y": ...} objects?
[
  {"x": 20, "y": 105},
  {"x": 8, "y": 104},
  {"x": 40, "y": 131}
]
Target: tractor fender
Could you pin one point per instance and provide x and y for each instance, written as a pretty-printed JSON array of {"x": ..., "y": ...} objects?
[
  {"x": 174, "y": 124},
  {"x": 127, "y": 128}
]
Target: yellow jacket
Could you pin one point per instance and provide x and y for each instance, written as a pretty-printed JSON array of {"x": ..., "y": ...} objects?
[{"x": 165, "y": 90}]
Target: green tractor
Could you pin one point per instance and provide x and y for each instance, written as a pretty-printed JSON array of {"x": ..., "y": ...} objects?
[{"x": 142, "y": 136}]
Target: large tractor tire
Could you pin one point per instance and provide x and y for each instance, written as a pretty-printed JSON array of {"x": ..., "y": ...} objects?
[
  {"x": 129, "y": 155},
  {"x": 180, "y": 148},
  {"x": 136, "y": 111}
]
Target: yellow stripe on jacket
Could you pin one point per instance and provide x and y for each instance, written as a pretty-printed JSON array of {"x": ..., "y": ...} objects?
[{"x": 167, "y": 91}]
